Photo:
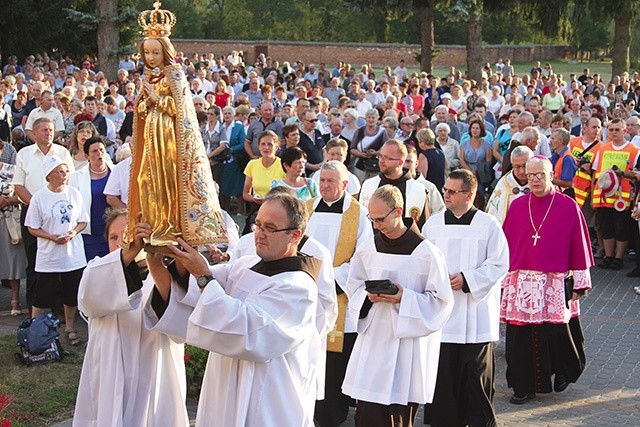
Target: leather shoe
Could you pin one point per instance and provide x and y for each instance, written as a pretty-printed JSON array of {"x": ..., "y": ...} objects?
[
  {"x": 617, "y": 264},
  {"x": 560, "y": 383},
  {"x": 519, "y": 400},
  {"x": 634, "y": 273},
  {"x": 605, "y": 263}
]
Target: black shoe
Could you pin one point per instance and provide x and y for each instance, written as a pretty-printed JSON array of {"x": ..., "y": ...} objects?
[
  {"x": 519, "y": 400},
  {"x": 634, "y": 273},
  {"x": 617, "y": 264},
  {"x": 606, "y": 263},
  {"x": 560, "y": 383}
]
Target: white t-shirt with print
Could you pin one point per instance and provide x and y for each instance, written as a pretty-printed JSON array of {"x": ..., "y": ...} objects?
[{"x": 57, "y": 213}]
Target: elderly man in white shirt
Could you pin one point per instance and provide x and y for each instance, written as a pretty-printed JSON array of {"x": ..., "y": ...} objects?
[{"x": 46, "y": 109}]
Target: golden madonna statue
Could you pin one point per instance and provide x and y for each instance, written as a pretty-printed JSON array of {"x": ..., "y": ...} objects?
[{"x": 171, "y": 182}]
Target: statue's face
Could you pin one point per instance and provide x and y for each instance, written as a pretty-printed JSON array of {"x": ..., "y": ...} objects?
[{"x": 153, "y": 54}]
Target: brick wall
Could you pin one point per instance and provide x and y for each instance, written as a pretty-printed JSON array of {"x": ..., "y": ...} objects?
[{"x": 356, "y": 54}]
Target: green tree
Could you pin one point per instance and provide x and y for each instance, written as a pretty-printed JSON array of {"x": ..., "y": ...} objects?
[
  {"x": 425, "y": 9},
  {"x": 30, "y": 26},
  {"x": 588, "y": 37}
]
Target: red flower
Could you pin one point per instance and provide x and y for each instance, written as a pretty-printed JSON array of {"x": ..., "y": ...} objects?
[
  {"x": 4, "y": 401},
  {"x": 5, "y": 423},
  {"x": 187, "y": 358}
]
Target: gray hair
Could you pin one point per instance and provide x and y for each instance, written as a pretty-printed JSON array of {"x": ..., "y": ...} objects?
[
  {"x": 77, "y": 103},
  {"x": 529, "y": 134},
  {"x": 372, "y": 112},
  {"x": 443, "y": 126},
  {"x": 543, "y": 161},
  {"x": 391, "y": 121},
  {"x": 229, "y": 108},
  {"x": 563, "y": 134},
  {"x": 351, "y": 112},
  {"x": 521, "y": 151},
  {"x": 334, "y": 165},
  {"x": 528, "y": 116}
]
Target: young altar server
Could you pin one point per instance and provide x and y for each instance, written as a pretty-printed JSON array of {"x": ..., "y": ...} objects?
[
  {"x": 130, "y": 376},
  {"x": 394, "y": 362}
]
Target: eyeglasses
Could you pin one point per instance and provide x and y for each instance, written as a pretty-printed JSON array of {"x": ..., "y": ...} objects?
[
  {"x": 407, "y": 124},
  {"x": 538, "y": 176},
  {"x": 311, "y": 121},
  {"x": 268, "y": 230},
  {"x": 379, "y": 220},
  {"x": 446, "y": 190},
  {"x": 387, "y": 159},
  {"x": 615, "y": 129}
]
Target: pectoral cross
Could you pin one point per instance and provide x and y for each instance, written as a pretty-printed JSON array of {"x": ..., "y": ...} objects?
[{"x": 535, "y": 238}]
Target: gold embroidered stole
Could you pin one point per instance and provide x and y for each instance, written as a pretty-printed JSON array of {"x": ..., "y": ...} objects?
[{"x": 344, "y": 251}]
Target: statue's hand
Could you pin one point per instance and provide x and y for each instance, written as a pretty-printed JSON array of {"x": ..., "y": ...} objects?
[{"x": 152, "y": 98}]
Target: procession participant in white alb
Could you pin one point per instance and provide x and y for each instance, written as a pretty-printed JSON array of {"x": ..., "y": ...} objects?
[
  {"x": 130, "y": 376},
  {"x": 257, "y": 318},
  {"x": 339, "y": 222},
  {"x": 392, "y": 156},
  {"x": 477, "y": 257},
  {"x": 327, "y": 309},
  {"x": 512, "y": 185},
  {"x": 394, "y": 362}
]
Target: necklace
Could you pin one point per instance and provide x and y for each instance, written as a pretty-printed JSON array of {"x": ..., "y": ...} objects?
[
  {"x": 536, "y": 236},
  {"x": 98, "y": 172}
]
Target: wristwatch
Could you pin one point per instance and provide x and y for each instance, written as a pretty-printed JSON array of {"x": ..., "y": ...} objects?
[{"x": 204, "y": 280}]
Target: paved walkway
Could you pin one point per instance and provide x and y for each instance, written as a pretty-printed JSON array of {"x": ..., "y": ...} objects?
[{"x": 607, "y": 394}]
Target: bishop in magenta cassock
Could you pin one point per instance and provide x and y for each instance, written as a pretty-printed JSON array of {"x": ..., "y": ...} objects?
[{"x": 549, "y": 248}]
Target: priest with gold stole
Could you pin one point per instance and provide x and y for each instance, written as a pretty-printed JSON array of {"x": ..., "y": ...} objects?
[
  {"x": 339, "y": 222},
  {"x": 171, "y": 182}
]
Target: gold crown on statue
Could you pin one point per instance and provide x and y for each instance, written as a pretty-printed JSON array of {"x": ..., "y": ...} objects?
[{"x": 157, "y": 22}]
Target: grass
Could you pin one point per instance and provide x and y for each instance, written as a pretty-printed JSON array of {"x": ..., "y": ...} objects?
[
  {"x": 42, "y": 394},
  {"x": 559, "y": 67}
]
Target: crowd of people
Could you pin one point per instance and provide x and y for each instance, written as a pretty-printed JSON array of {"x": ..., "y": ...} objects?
[{"x": 497, "y": 191}]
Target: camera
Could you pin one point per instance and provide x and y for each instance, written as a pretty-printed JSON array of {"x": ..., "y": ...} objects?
[{"x": 582, "y": 161}]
